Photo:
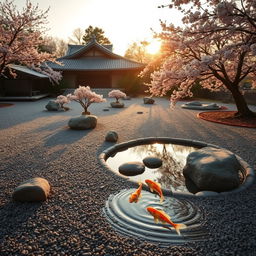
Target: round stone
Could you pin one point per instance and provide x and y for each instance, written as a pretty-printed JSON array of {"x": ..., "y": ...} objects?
[
  {"x": 117, "y": 104},
  {"x": 148, "y": 100},
  {"x": 32, "y": 190},
  {"x": 83, "y": 122},
  {"x": 53, "y": 106},
  {"x": 152, "y": 162},
  {"x": 111, "y": 136},
  {"x": 131, "y": 168}
]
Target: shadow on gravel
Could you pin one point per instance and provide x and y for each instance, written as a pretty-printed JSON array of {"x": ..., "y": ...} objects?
[
  {"x": 66, "y": 136},
  {"x": 155, "y": 123},
  {"x": 51, "y": 126},
  {"x": 14, "y": 217}
]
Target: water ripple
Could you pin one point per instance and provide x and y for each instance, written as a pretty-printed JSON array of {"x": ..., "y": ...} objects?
[{"x": 132, "y": 219}]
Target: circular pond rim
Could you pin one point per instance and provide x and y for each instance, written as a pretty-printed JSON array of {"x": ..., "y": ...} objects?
[{"x": 247, "y": 170}]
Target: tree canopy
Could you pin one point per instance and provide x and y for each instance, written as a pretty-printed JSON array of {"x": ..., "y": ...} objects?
[
  {"x": 95, "y": 33},
  {"x": 217, "y": 47},
  {"x": 137, "y": 51},
  {"x": 20, "y": 38}
]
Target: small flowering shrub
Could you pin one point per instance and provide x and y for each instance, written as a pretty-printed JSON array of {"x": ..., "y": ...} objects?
[
  {"x": 61, "y": 99},
  {"x": 85, "y": 97},
  {"x": 116, "y": 94}
]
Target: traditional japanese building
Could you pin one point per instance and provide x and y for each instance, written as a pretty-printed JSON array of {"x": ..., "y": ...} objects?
[{"x": 94, "y": 65}]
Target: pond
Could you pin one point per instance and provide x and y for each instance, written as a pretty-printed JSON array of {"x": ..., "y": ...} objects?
[
  {"x": 169, "y": 175},
  {"x": 133, "y": 219}
]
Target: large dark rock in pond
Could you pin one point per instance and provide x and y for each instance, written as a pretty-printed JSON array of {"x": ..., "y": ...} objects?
[
  {"x": 152, "y": 162},
  {"x": 116, "y": 104},
  {"x": 131, "y": 168},
  {"x": 36, "y": 189},
  {"x": 53, "y": 106},
  {"x": 83, "y": 122},
  {"x": 148, "y": 100},
  {"x": 213, "y": 169}
]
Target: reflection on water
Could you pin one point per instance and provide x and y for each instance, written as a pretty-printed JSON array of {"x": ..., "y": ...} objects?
[{"x": 169, "y": 175}]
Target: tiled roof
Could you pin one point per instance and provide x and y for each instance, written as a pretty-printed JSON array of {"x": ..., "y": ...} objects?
[
  {"x": 75, "y": 60},
  {"x": 91, "y": 64},
  {"x": 27, "y": 71}
]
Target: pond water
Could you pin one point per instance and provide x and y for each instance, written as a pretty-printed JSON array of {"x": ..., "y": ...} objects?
[
  {"x": 169, "y": 175},
  {"x": 132, "y": 219}
]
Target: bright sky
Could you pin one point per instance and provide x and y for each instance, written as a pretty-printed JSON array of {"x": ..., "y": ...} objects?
[{"x": 123, "y": 21}]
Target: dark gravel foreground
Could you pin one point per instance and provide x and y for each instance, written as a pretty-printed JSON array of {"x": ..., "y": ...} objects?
[{"x": 37, "y": 143}]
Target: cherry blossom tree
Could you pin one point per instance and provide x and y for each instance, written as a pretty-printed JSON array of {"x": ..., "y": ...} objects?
[
  {"x": 217, "y": 47},
  {"x": 61, "y": 99},
  {"x": 85, "y": 97},
  {"x": 20, "y": 38},
  {"x": 116, "y": 94}
]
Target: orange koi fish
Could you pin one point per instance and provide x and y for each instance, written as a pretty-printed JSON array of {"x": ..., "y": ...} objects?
[
  {"x": 154, "y": 186},
  {"x": 135, "y": 196},
  {"x": 160, "y": 215}
]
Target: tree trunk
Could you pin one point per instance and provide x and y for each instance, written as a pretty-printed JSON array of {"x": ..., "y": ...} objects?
[
  {"x": 242, "y": 107},
  {"x": 86, "y": 112}
]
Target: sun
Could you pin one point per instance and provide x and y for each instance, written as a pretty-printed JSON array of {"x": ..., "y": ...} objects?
[{"x": 153, "y": 47}]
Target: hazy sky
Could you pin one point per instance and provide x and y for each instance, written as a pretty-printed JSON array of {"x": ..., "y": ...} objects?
[{"x": 124, "y": 21}]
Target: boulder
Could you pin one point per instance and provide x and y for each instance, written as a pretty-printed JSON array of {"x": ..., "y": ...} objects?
[
  {"x": 152, "y": 162},
  {"x": 111, "y": 136},
  {"x": 53, "y": 106},
  {"x": 116, "y": 104},
  {"x": 36, "y": 189},
  {"x": 148, "y": 100},
  {"x": 83, "y": 122},
  {"x": 131, "y": 168},
  {"x": 213, "y": 169}
]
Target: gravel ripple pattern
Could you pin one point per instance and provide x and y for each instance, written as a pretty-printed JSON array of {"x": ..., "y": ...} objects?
[{"x": 37, "y": 143}]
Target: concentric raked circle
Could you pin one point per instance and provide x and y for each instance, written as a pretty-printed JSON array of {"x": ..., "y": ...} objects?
[{"x": 132, "y": 219}]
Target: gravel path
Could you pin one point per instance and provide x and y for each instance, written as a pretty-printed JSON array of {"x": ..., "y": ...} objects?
[{"x": 34, "y": 142}]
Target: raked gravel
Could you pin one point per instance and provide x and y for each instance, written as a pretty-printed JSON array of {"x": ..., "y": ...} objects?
[{"x": 38, "y": 143}]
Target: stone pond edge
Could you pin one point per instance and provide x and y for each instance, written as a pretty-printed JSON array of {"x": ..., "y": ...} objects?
[{"x": 247, "y": 169}]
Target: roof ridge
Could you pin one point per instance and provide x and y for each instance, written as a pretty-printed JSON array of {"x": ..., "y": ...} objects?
[{"x": 106, "y": 50}]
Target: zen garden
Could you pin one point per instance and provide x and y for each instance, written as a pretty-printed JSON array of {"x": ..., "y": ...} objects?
[{"x": 146, "y": 153}]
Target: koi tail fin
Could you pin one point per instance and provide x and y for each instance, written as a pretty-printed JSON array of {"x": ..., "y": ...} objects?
[
  {"x": 161, "y": 198},
  {"x": 178, "y": 227}
]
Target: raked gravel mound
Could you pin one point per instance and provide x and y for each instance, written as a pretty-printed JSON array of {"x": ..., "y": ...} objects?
[{"x": 37, "y": 143}]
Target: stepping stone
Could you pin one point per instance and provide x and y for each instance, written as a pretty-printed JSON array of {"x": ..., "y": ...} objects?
[
  {"x": 152, "y": 162},
  {"x": 132, "y": 168}
]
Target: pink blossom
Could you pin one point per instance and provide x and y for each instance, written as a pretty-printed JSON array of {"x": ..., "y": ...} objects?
[
  {"x": 85, "y": 97},
  {"x": 61, "y": 99},
  {"x": 116, "y": 94},
  {"x": 20, "y": 36},
  {"x": 216, "y": 48}
]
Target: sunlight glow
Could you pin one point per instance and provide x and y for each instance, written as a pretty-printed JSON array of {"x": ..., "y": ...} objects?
[{"x": 153, "y": 47}]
